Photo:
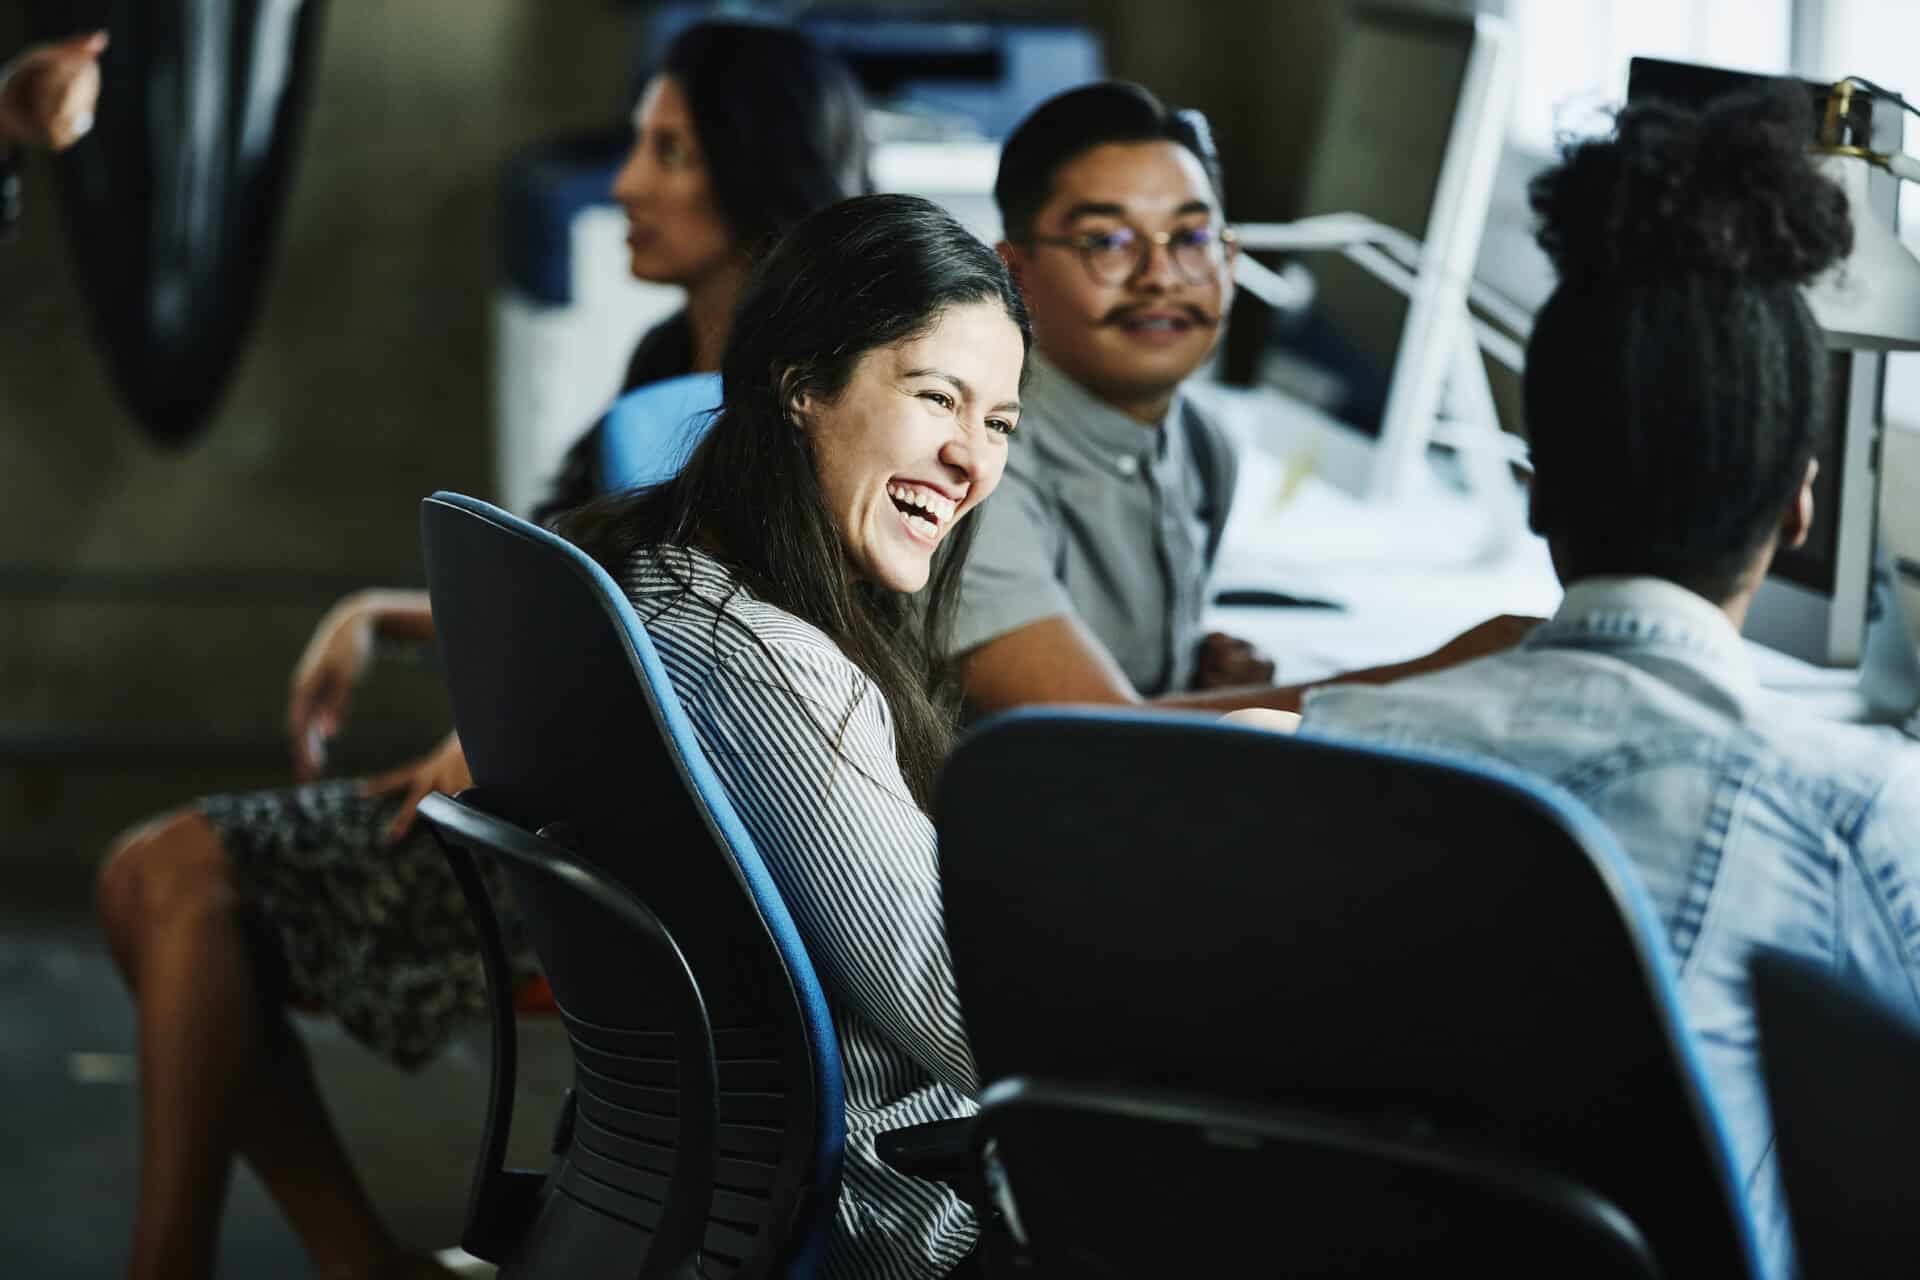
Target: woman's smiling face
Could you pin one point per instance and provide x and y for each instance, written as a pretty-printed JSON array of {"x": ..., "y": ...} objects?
[{"x": 917, "y": 439}]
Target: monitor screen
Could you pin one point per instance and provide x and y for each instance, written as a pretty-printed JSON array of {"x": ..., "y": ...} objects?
[
  {"x": 1815, "y": 563},
  {"x": 1383, "y": 141}
]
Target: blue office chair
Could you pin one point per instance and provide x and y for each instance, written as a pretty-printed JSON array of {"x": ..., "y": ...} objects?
[
  {"x": 648, "y": 433},
  {"x": 1841, "y": 1070},
  {"x": 707, "y": 1116},
  {"x": 1249, "y": 1003}
]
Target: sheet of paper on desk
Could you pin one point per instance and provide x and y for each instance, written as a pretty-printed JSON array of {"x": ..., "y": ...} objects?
[
  {"x": 1900, "y": 514},
  {"x": 1410, "y": 574}
]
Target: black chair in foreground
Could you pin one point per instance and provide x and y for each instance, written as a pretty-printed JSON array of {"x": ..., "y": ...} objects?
[
  {"x": 704, "y": 1129},
  {"x": 1252, "y": 1004},
  {"x": 1843, "y": 1080}
]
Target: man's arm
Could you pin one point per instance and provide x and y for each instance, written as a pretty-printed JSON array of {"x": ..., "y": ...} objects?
[{"x": 1057, "y": 659}]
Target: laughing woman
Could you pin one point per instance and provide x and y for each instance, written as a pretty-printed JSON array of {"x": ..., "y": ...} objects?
[{"x": 871, "y": 385}]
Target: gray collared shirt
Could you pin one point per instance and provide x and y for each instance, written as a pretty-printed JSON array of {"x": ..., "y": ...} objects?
[
  {"x": 1105, "y": 518},
  {"x": 1751, "y": 823}
]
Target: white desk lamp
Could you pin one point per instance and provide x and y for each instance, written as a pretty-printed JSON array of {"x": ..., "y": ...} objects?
[
  {"x": 1871, "y": 301},
  {"x": 1464, "y": 415}
]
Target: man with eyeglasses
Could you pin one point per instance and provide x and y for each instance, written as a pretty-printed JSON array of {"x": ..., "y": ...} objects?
[{"x": 1088, "y": 575}]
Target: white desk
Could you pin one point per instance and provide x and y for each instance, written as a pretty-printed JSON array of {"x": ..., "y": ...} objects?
[{"x": 1410, "y": 574}]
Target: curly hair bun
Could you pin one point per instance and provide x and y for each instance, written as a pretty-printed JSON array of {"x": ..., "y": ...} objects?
[{"x": 1731, "y": 191}]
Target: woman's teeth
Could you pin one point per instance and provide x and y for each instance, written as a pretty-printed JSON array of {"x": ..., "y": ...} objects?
[{"x": 923, "y": 510}]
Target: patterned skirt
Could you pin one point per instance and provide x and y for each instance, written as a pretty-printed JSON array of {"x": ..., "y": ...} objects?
[{"x": 376, "y": 934}]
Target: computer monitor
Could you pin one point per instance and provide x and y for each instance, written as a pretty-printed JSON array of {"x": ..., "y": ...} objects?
[
  {"x": 1410, "y": 136},
  {"x": 1816, "y": 603}
]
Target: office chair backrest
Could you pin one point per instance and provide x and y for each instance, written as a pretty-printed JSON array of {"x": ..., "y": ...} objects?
[
  {"x": 569, "y": 722},
  {"x": 649, "y": 432},
  {"x": 1377, "y": 935},
  {"x": 647, "y": 1102},
  {"x": 1841, "y": 1074}
]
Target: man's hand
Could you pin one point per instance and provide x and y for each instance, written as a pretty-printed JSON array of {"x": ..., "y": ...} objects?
[
  {"x": 48, "y": 93},
  {"x": 1228, "y": 662},
  {"x": 443, "y": 769}
]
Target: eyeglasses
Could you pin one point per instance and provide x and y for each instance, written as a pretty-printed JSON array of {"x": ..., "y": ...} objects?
[{"x": 1116, "y": 256}]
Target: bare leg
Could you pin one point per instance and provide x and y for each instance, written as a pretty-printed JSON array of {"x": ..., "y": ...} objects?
[{"x": 215, "y": 1079}]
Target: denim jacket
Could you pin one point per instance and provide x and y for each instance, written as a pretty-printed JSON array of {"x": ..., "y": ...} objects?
[{"x": 1752, "y": 824}]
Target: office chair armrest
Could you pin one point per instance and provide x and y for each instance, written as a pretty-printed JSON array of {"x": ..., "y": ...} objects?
[
  {"x": 501, "y": 1200},
  {"x": 504, "y": 1201},
  {"x": 938, "y": 1151}
]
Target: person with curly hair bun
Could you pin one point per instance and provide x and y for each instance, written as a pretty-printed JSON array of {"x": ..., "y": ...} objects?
[{"x": 1676, "y": 386}]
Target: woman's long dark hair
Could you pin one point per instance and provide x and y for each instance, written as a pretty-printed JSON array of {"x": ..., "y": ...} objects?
[
  {"x": 781, "y": 123},
  {"x": 856, "y": 277}
]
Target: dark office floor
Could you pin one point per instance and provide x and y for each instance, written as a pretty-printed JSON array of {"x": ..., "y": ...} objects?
[{"x": 68, "y": 1110}]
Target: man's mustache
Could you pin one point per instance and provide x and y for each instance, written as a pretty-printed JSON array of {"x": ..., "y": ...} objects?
[{"x": 1195, "y": 314}]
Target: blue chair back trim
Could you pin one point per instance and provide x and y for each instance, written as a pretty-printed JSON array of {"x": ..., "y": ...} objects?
[
  {"x": 491, "y": 744},
  {"x": 649, "y": 432},
  {"x": 1131, "y": 822}
]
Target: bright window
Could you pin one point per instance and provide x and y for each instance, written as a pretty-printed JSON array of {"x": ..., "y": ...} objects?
[
  {"x": 1878, "y": 39},
  {"x": 1574, "y": 53}
]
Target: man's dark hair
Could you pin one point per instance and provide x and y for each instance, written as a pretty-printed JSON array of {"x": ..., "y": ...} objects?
[
  {"x": 1075, "y": 122},
  {"x": 1676, "y": 382}
]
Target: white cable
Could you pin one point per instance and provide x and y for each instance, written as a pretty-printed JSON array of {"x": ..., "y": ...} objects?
[{"x": 1903, "y": 166}]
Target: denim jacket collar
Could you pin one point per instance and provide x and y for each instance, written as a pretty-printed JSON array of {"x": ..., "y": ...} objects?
[{"x": 1651, "y": 616}]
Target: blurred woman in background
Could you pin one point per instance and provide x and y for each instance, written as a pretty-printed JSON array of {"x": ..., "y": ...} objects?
[{"x": 326, "y": 896}]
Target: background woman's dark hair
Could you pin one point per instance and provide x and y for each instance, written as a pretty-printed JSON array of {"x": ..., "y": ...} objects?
[
  {"x": 1676, "y": 382},
  {"x": 782, "y": 130},
  {"x": 1077, "y": 121},
  {"x": 856, "y": 277},
  {"x": 781, "y": 123}
]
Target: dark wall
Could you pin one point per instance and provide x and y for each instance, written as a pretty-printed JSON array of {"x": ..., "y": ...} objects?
[
  {"x": 1258, "y": 68},
  {"x": 188, "y": 581}
]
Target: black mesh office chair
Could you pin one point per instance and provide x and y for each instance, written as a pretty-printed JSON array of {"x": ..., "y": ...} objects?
[
  {"x": 1253, "y": 1004},
  {"x": 704, "y": 1128},
  {"x": 1842, "y": 1073},
  {"x": 645, "y": 1098}
]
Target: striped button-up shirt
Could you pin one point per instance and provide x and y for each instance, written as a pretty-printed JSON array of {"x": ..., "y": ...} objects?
[{"x": 802, "y": 740}]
